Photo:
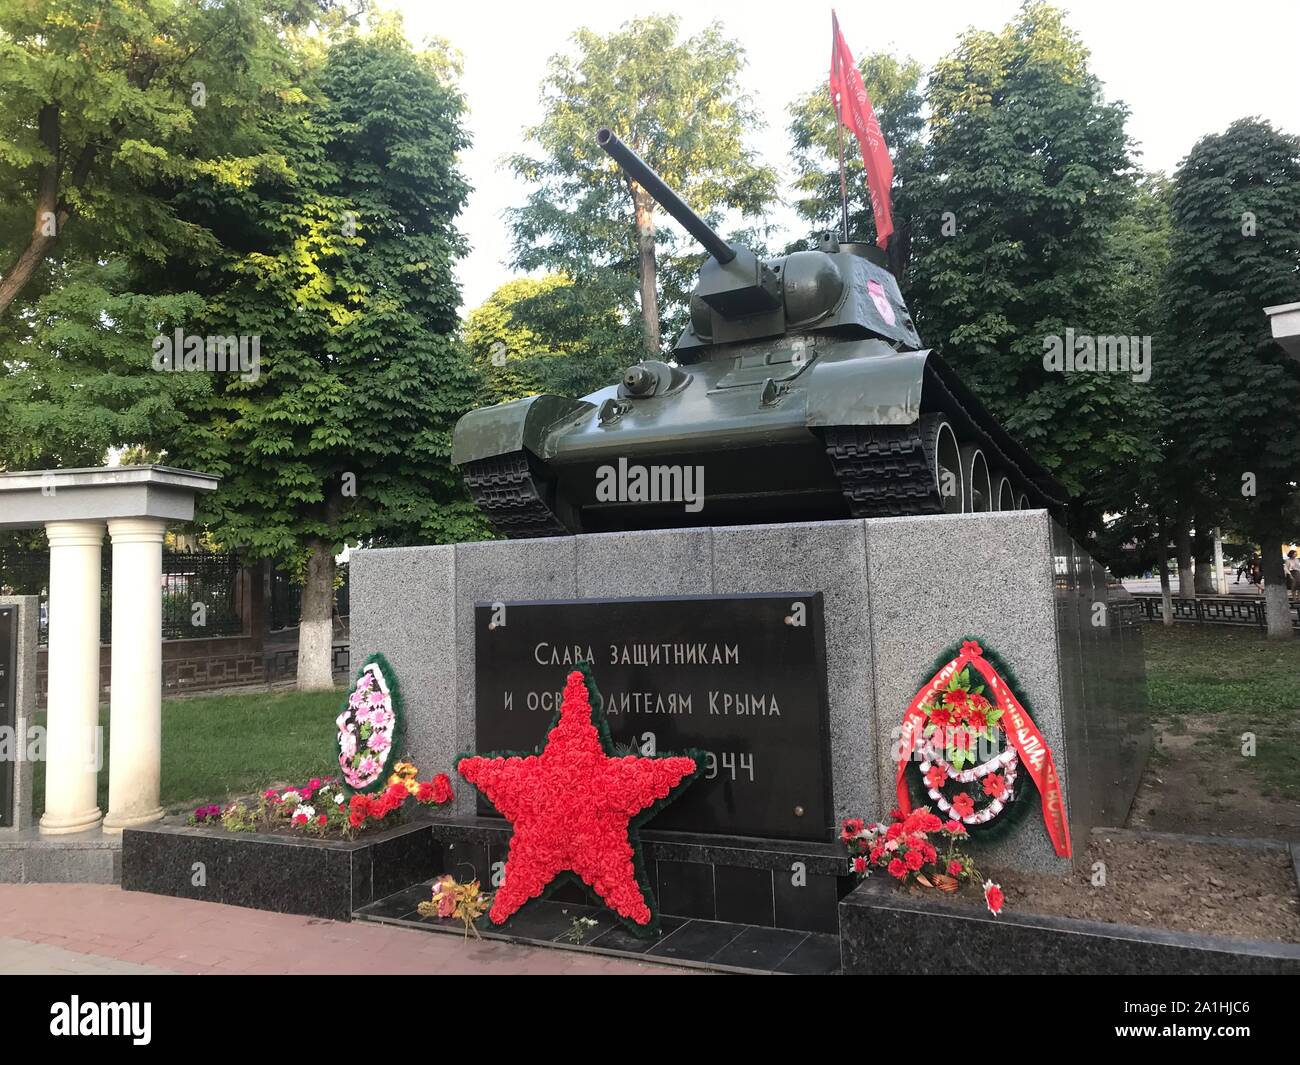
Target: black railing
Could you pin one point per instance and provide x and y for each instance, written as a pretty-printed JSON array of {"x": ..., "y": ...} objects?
[
  {"x": 201, "y": 591},
  {"x": 286, "y": 599},
  {"x": 1213, "y": 609}
]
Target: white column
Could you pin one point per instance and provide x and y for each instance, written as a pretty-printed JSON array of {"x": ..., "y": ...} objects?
[
  {"x": 73, "y": 746},
  {"x": 135, "y": 702}
]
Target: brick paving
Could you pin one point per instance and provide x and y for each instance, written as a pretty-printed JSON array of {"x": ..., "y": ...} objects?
[{"x": 94, "y": 928}]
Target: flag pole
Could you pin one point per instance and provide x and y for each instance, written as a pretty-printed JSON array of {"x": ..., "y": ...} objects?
[
  {"x": 839, "y": 127},
  {"x": 844, "y": 190}
]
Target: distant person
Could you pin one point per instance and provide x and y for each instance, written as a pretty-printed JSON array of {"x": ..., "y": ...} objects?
[
  {"x": 1257, "y": 572},
  {"x": 1292, "y": 570},
  {"x": 1243, "y": 567}
]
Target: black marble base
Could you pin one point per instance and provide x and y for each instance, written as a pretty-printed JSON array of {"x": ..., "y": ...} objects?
[
  {"x": 696, "y": 943},
  {"x": 885, "y": 933},
  {"x": 285, "y": 874},
  {"x": 735, "y": 880}
]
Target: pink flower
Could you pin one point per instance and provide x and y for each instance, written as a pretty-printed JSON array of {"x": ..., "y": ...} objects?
[
  {"x": 379, "y": 742},
  {"x": 377, "y": 698}
]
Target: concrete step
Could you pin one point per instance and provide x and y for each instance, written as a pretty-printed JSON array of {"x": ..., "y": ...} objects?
[{"x": 27, "y": 857}]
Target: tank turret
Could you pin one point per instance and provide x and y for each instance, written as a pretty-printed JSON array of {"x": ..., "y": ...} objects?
[{"x": 800, "y": 390}]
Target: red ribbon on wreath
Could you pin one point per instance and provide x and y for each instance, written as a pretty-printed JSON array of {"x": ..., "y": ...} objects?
[{"x": 1020, "y": 730}]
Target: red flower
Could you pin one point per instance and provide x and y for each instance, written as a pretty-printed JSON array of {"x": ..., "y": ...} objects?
[
  {"x": 859, "y": 865},
  {"x": 995, "y": 785},
  {"x": 876, "y": 852},
  {"x": 954, "y": 868},
  {"x": 299, "y": 819},
  {"x": 851, "y": 827},
  {"x": 895, "y": 814},
  {"x": 442, "y": 793},
  {"x": 955, "y": 827},
  {"x": 930, "y": 853},
  {"x": 322, "y": 820},
  {"x": 897, "y": 869},
  {"x": 977, "y": 719},
  {"x": 963, "y": 805},
  {"x": 894, "y": 831},
  {"x": 356, "y": 820},
  {"x": 913, "y": 860},
  {"x": 424, "y": 793},
  {"x": 993, "y": 897},
  {"x": 935, "y": 777},
  {"x": 956, "y": 698},
  {"x": 979, "y": 702},
  {"x": 971, "y": 649},
  {"x": 940, "y": 717}
]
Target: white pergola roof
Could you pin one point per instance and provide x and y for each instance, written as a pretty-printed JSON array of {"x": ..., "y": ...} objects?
[{"x": 97, "y": 493}]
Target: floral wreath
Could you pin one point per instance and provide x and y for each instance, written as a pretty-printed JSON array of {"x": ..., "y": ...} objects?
[
  {"x": 970, "y": 746},
  {"x": 369, "y": 727},
  {"x": 966, "y": 769}
]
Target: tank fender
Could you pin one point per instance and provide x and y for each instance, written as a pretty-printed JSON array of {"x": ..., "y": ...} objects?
[
  {"x": 882, "y": 389},
  {"x": 515, "y": 426}
]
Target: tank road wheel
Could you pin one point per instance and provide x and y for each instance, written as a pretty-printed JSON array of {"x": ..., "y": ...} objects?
[
  {"x": 975, "y": 474},
  {"x": 1004, "y": 494},
  {"x": 944, "y": 459},
  {"x": 518, "y": 500},
  {"x": 890, "y": 470}
]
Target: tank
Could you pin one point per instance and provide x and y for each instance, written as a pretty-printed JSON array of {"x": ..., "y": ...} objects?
[{"x": 799, "y": 391}]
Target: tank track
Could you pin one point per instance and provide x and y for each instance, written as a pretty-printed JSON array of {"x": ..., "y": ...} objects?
[
  {"x": 885, "y": 471},
  {"x": 507, "y": 491}
]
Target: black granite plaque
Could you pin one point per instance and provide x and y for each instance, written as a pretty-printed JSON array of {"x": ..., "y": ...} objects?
[
  {"x": 8, "y": 708},
  {"x": 742, "y": 677}
]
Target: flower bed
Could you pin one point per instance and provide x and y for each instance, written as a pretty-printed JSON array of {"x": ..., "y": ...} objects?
[
  {"x": 324, "y": 808},
  {"x": 1140, "y": 904}
]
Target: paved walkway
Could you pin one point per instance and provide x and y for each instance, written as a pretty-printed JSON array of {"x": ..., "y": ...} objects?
[{"x": 92, "y": 928}]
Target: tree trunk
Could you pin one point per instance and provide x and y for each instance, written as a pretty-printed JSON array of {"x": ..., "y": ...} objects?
[
  {"x": 316, "y": 621},
  {"x": 1183, "y": 544},
  {"x": 645, "y": 236},
  {"x": 47, "y": 224},
  {"x": 1203, "y": 553},
  {"x": 1166, "y": 593},
  {"x": 1277, "y": 610}
]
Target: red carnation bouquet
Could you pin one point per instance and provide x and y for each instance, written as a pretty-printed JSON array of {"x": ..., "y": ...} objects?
[{"x": 916, "y": 848}]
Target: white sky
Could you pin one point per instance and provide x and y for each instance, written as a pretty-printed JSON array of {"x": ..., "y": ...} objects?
[{"x": 1184, "y": 69}]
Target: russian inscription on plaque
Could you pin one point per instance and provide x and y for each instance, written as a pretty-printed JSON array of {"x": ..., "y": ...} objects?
[
  {"x": 8, "y": 708},
  {"x": 742, "y": 678}
]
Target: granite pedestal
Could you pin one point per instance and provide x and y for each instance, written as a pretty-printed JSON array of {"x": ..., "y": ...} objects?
[{"x": 896, "y": 591}]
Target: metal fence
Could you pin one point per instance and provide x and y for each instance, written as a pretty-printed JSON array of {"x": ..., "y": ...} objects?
[
  {"x": 1212, "y": 609},
  {"x": 286, "y": 599},
  {"x": 201, "y": 591}
]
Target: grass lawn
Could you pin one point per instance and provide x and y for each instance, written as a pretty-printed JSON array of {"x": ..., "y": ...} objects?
[
  {"x": 215, "y": 747},
  {"x": 1219, "y": 682}
]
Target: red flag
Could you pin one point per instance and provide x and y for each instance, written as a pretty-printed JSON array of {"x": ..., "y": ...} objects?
[{"x": 853, "y": 108}]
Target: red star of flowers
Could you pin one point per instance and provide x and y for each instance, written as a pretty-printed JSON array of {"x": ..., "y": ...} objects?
[{"x": 571, "y": 808}]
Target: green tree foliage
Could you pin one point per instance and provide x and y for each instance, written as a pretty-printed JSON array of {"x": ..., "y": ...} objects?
[
  {"x": 679, "y": 105},
  {"x": 1233, "y": 393},
  {"x": 894, "y": 87},
  {"x": 1033, "y": 165},
  {"x": 547, "y": 335},
  {"x": 103, "y": 103},
  {"x": 79, "y": 383},
  {"x": 343, "y": 267}
]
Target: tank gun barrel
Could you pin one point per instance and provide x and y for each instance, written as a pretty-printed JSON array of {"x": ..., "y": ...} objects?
[{"x": 637, "y": 169}]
